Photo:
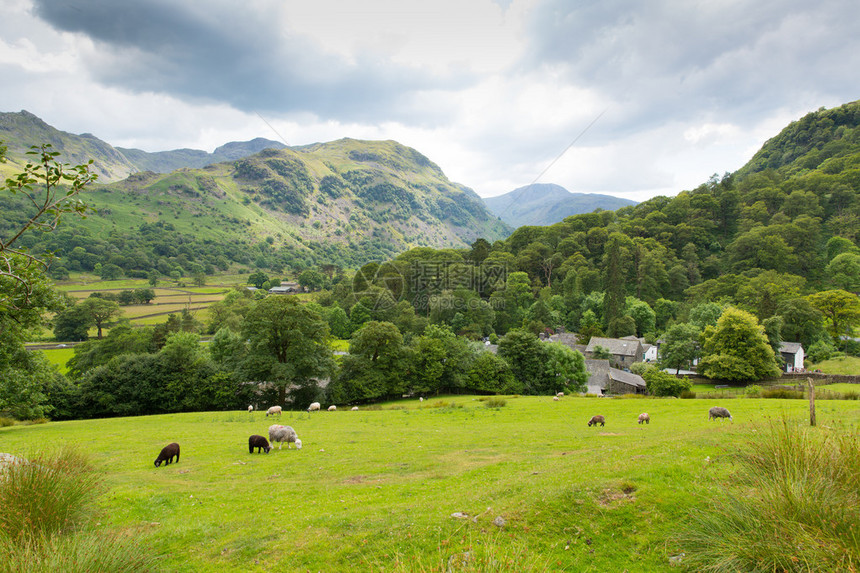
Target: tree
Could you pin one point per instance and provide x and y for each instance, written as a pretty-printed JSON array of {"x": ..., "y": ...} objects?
[
  {"x": 564, "y": 368},
  {"x": 844, "y": 271},
  {"x": 491, "y": 373},
  {"x": 375, "y": 366},
  {"x": 840, "y": 308},
  {"x": 257, "y": 279},
  {"x": 680, "y": 348},
  {"x": 801, "y": 321},
  {"x": 737, "y": 349},
  {"x": 311, "y": 279},
  {"x": 286, "y": 345},
  {"x": 661, "y": 383},
  {"x": 72, "y": 323},
  {"x": 100, "y": 311}
]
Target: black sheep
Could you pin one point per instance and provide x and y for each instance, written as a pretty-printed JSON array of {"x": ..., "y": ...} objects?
[
  {"x": 167, "y": 454},
  {"x": 259, "y": 442}
]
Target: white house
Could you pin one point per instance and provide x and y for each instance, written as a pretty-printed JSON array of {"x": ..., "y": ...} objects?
[{"x": 792, "y": 356}]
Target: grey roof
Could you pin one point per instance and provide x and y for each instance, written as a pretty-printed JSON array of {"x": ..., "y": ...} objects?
[
  {"x": 616, "y": 346},
  {"x": 790, "y": 347},
  {"x": 626, "y": 378},
  {"x": 598, "y": 374}
]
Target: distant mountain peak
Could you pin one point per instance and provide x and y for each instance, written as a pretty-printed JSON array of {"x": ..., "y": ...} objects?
[{"x": 548, "y": 203}]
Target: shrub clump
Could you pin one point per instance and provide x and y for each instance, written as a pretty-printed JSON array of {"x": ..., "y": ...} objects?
[
  {"x": 687, "y": 395},
  {"x": 782, "y": 393},
  {"x": 47, "y": 519},
  {"x": 495, "y": 402},
  {"x": 795, "y": 508}
]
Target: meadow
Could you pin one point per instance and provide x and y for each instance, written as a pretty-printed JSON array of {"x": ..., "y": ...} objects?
[{"x": 378, "y": 489}]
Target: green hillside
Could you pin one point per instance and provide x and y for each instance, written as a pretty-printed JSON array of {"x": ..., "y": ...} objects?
[
  {"x": 345, "y": 202},
  {"x": 22, "y": 130}
]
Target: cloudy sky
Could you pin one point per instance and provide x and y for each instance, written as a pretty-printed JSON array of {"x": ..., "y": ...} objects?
[{"x": 621, "y": 97}]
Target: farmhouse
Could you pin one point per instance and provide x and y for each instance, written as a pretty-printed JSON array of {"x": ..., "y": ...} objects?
[
  {"x": 624, "y": 351},
  {"x": 286, "y": 288},
  {"x": 792, "y": 356},
  {"x": 603, "y": 379}
]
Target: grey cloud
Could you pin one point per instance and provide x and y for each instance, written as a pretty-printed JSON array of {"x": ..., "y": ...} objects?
[
  {"x": 736, "y": 60},
  {"x": 231, "y": 52}
]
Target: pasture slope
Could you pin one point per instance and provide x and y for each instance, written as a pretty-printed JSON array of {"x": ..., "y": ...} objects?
[{"x": 375, "y": 490}]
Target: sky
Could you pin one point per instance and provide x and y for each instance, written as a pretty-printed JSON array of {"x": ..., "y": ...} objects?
[{"x": 620, "y": 97}]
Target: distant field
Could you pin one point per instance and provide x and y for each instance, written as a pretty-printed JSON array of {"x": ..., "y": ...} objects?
[
  {"x": 842, "y": 365},
  {"x": 376, "y": 490}
]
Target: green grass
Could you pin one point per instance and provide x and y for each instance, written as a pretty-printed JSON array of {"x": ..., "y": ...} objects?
[
  {"x": 59, "y": 357},
  {"x": 841, "y": 365},
  {"x": 375, "y": 489}
]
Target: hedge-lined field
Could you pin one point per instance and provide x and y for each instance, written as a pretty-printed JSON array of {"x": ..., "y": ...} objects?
[{"x": 375, "y": 490}]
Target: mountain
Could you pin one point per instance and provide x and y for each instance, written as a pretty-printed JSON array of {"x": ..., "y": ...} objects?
[
  {"x": 546, "y": 203},
  {"x": 167, "y": 161},
  {"x": 344, "y": 202},
  {"x": 21, "y": 130}
]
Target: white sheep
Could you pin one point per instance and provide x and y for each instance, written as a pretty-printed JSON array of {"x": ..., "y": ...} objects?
[
  {"x": 332, "y": 408},
  {"x": 560, "y": 394},
  {"x": 644, "y": 418},
  {"x": 314, "y": 407},
  {"x": 250, "y": 409},
  {"x": 555, "y": 398},
  {"x": 281, "y": 434},
  {"x": 273, "y": 410},
  {"x": 354, "y": 408}
]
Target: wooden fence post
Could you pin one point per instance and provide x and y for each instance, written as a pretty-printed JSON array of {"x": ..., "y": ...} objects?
[{"x": 811, "y": 401}]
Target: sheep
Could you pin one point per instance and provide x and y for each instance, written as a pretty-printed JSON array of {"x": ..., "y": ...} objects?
[
  {"x": 555, "y": 398},
  {"x": 355, "y": 408},
  {"x": 259, "y": 442},
  {"x": 644, "y": 417},
  {"x": 718, "y": 412},
  {"x": 560, "y": 394},
  {"x": 597, "y": 420},
  {"x": 281, "y": 434},
  {"x": 314, "y": 407},
  {"x": 167, "y": 454},
  {"x": 250, "y": 409},
  {"x": 332, "y": 408},
  {"x": 273, "y": 410}
]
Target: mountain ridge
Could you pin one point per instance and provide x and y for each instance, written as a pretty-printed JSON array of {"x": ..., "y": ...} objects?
[{"x": 548, "y": 203}]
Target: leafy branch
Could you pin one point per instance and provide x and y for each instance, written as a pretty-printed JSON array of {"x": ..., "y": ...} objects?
[{"x": 51, "y": 189}]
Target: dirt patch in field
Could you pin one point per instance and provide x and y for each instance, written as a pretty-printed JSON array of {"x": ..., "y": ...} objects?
[
  {"x": 614, "y": 496},
  {"x": 609, "y": 434}
]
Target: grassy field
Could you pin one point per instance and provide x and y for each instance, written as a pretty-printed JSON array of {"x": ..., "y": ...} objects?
[
  {"x": 375, "y": 490},
  {"x": 841, "y": 365}
]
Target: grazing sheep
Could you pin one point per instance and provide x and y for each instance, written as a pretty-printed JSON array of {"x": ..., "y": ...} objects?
[
  {"x": 597, "y": 420},
  {"x": 281, "y": 434},
  {"x": 555, "y": 398},
  {"x": 718, "y": 412},
  {"x": 250, "y": 408},
  {"x": 259, "y": 442},
  {"x": 354, "y": 408},
  {"x": 167, "y": 454},
  {"x": 273, "y": 410},
  {"x": 644, "y": 417},
  {"x": 560, "y": 394},
  {"x": 314, "y": 407},
  {"x": 332, "y": 408}
]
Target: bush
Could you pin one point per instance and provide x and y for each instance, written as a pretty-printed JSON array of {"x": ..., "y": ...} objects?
[
  {"x": 687, "y": 395},
  {"x": 661, "y": 383},
  {"x": 796, "y": 507},
  {"x": 495, "y": 402},
  {"x": 753, "y": 391},
  {"x": 782, "y": 393}
]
